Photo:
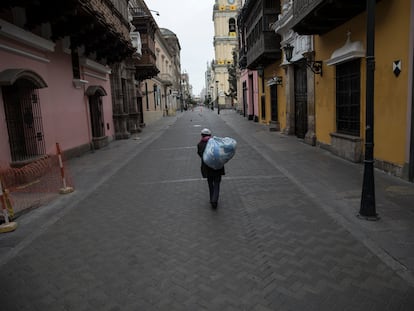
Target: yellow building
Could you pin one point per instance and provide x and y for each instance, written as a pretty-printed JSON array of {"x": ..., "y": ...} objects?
[
  {"x": 339, "y": 90},
  {"x": 225, "y": 41}
]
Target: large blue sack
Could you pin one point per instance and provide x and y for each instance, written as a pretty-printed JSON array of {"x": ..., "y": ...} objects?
[{"x": 219, "y": 150}]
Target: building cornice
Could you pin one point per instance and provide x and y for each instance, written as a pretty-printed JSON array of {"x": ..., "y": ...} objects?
[{"x": 22, "y": 36}]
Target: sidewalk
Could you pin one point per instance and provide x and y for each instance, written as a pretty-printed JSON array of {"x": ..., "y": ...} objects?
[{"x": 336, "y": 185}]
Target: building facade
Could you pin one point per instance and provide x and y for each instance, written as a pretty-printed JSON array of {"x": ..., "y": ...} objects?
[
  {"x": 172, "y": 95},
  {"x": 157, "y": 72},
  {"x": 259, "y": 61},
  {"x": 225, "y": 42},
  {"x": 299, "y": 80},
  {"x": 55, "y": 76},
  {"x": 326, "y": 71}
]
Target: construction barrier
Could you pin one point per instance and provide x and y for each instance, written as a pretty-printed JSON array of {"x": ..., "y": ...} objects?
[
  {"x": 35, "y": 184},
  {"x": 8, "y": 225}
]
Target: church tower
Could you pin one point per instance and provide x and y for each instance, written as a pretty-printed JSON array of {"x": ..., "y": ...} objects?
[{"x": 225, "y": 41}]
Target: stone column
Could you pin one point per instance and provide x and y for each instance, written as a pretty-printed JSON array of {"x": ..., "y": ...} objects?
[
  {"x": 290, "y": 101},
  {"x": 310, "y": 136},
  {"x": 120, "y": 116}
]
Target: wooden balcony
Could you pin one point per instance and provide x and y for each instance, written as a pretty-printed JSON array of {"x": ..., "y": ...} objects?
[
  {"x": 144, "y": 23},
  {"x": 262, "y": 43},
  {"x": 102, "y": 29},
  {"x": 145, "y": 67},
  {"x": 321, "y": 16},
  {"x": 264, "y": 51},
  {"x": 242, "y": 59}
]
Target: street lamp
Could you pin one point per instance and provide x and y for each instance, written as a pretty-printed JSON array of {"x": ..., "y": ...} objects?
[
  {"x": 367, "y": 209},
  {"x": 211, "y": 96},
  {"x": 217, "y": 97},
  {"x": 315, "y": 66}
]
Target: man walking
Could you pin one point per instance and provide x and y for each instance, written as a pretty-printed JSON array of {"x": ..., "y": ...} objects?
[{"x": 213, "y": 176}]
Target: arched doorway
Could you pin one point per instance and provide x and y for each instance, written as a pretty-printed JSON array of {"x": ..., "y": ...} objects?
[
  {"x": 23, "y": 113},
  {"x": 96, "y": 113}
]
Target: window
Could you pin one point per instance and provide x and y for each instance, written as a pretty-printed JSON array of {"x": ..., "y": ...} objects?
[
  {"x": 75, "y": 65},
  {"x": 348, "y": 77},
  {"x": 232, "y": 25}
]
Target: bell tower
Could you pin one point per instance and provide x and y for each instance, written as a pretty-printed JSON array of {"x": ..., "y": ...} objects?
[{"x": 225, "y": 41}]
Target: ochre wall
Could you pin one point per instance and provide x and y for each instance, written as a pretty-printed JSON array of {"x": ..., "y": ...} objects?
[
  {"x": 390, "y": 101},
  {"x": 269, "y": 72}
]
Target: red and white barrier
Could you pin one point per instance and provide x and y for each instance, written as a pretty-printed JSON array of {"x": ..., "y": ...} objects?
[
  {"x": 8, "y": 225},
  {"x": 65, "y": 189}
]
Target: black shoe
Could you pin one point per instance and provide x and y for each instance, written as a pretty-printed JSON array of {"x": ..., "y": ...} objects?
[{"x": 214, "y": 205}]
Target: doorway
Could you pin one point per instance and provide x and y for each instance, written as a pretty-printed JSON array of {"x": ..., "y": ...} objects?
[
  {"x": 301, "y": 100},
  {"x": 96, "y": 113},
  {"x": 24, "y": 120},
  {"x": 273, "y": 104}
]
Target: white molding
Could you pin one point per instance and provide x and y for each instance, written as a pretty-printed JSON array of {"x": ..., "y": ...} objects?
[
  {"x": 350, "y": 50},
  {"x": 88, "y": 63},
  {"x": 23, "y": 53},
  {"x": 78, "y": 83},
  {"x": 23, "y": 36},
  {"x": 90, "y": 74}
]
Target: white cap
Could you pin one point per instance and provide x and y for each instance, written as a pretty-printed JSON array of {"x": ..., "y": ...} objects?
[{"x": 205, "y": 131}]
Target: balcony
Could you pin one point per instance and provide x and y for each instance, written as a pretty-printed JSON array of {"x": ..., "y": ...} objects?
[
  {"x": 262, "y": 43},
  {"x": 166, "y": 79},
  {"x": 102, "y": 29},
  {"x": 264, "y": 51},
  {"x": 144, "y": 23},
  {"x": 145, "y": 67},
  {"x": 317, "y": 17},
  {"x": 242, "y": 59}
]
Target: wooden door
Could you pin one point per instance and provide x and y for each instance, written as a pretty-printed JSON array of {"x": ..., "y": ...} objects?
[{"x": 301, "y": 101}]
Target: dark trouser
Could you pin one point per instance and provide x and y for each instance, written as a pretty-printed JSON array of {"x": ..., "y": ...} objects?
[{"x": 214, "y": 187}]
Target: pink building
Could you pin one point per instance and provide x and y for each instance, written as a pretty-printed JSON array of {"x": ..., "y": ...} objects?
[
  {"x": 55, "y": 79},
  {"x": 250, "y": 98}
]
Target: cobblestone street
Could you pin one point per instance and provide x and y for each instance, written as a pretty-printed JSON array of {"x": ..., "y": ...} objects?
[{"x": 138, "y": 233}]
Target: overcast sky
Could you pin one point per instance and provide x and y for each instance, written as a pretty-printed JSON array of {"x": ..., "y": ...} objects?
[{"x": 192, "y": 22}]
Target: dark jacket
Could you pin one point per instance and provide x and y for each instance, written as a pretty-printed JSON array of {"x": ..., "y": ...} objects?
[{"x": 207, "y": 171}]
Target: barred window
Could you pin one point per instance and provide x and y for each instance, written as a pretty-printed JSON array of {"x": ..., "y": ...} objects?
[{"x": 348, "y": 92}]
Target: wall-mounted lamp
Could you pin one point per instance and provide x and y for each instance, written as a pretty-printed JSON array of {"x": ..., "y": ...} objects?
[
  {"x": 315, "y": 66},
  {"x": 156, "y": 12},
  {"x": 260, "y": 71},
  {"x": 277, "y": 80}
]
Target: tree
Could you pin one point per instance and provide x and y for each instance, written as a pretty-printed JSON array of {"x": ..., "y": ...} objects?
[{"x": 232, "y": 70}]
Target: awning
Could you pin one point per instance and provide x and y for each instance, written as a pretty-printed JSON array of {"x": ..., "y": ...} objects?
[
  {"x": 95, "y": 90},
  {"x": 10, "y": 76}
]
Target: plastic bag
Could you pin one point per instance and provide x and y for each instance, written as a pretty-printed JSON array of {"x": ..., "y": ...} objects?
[{"x": 219, "y": 150}]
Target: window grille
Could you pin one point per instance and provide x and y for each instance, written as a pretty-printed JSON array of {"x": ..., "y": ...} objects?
[
  {"x": 348, "y": 92},
  {"x": 24, "y": 121}
]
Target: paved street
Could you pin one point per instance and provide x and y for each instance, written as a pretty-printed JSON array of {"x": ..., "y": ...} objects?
[{"x": 140, "y": 234}]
